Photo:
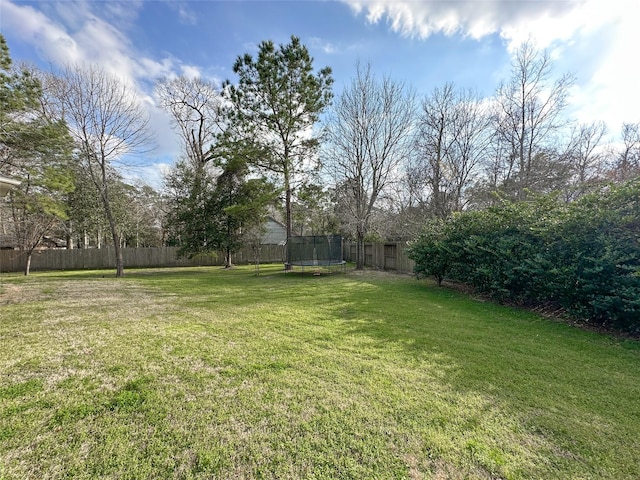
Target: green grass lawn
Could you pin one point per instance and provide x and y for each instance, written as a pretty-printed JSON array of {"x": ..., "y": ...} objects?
[{"x": 207, "y": 373}]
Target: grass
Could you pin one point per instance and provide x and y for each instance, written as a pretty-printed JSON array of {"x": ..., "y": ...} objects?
[{"x": 207, "y": 373}]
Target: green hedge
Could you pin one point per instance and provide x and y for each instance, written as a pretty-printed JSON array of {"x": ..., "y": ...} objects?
[{"x": 583, "y": 256}]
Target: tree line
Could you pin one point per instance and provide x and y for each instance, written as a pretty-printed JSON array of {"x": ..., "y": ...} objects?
[{"x": 374, "y": 161}]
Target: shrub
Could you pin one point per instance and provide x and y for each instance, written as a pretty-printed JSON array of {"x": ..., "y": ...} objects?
[{"x": 583, "y": 256}]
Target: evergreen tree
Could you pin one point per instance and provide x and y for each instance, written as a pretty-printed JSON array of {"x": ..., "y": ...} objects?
[
  {"x": 276, "y": 103},
  {"x": 212, "y": 212},
  {"x": 35, "y": 149},
  {"x": 240, "y": 205}
]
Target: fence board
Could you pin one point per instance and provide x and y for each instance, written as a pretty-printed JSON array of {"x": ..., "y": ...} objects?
[
  {"x": 104, "y": 258},
  {"x": 385, "y": 256}
]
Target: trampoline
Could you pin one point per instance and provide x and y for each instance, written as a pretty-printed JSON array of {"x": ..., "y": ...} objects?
[{"x": 315, "y": 251}]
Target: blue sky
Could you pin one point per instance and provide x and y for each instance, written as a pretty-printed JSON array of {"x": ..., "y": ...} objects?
[{"x": 423, "y": 43}]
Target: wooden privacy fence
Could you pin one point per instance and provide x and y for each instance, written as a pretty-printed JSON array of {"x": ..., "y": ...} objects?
[
  {"x": 385, "y": 256},
  {"x": 99, "y": 258}
]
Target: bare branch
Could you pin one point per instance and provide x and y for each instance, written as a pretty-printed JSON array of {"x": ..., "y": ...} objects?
[
  {"x": 369, "y": 139},
  {"x": 109, "y": 125}
]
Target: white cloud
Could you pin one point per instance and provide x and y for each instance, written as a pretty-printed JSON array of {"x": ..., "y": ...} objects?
[
  {"x": 123, "y": 11},
  {"x": 32, "y": 26},
  {"x": 106, "y": 45},
  {"x": 152, "y": 175},
  {"x": 326, "y": 46},
  {"x": 81, "y": 37},
  {"x": 610, "y": 94},
  {"x": 516, "y": 21},
  {"x": 190, "y": 71},
  {"x": 187, "y": 16},
  {"x": 167, "y": 141},
  {"x": 153, "y": 69}
]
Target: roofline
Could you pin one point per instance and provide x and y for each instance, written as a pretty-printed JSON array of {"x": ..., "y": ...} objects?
[
  {"x": 276, "y": 221},
  {"x": 7, "y": 184},
  {"x": 9, "y": 181}
]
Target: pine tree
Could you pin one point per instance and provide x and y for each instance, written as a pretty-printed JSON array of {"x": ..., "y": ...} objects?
[{"x": 276, "y": 103}]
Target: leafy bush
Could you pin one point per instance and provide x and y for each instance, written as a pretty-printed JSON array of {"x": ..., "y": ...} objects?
[{"x": 583, "y": 256}]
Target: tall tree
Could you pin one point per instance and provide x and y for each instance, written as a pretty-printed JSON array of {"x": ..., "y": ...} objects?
[
  {"x": 452, "y": 138},
  {"x": 36, "y": 149},
  {"x": 20, "y": 93},
  {"x": 369, "y": 138},
  {"x": 108, "y": 124},
  {"x": 276, "y": 104},
  {"x": 209, "y": 213},
  {"x": 529, "y": 108},
  {"x": 240, "y": 205},
  {"x": 20, "y": 116},
  {"x": 190, "y": 210},
  {"x": 197, "y": 110}
]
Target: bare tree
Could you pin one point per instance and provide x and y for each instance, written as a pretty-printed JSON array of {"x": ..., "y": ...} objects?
[
  {"x": 528, "y": 115},
  {"x": 195, "y": 106},
  {"x": 585, "y": 156},
  {"x": 627, "y": 164},
  {"x": 108, "y": 124},
  {"x": 196, "y": 109},
  {"x": 452, "y": 138},
  {"x": 435, "y": 143},
  {"x": 369, "y": 138}
]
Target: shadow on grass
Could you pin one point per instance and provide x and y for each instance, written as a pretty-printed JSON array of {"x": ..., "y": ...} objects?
[
  {"x": 569, "y": 387},
  {"x": 449, "y": 375}
]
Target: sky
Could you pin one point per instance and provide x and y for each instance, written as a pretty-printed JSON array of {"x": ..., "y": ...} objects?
[{"x": 424, "y": 44}]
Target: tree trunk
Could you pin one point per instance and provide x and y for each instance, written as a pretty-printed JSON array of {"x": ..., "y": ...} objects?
[
  {"x": 116, "y": 239},
  {"x": 119, "y": 257},
  {"x": 27, "y": 265},
  {"x": 360, "y": 251},
  {"x": 227, "y": 259},
  {"x": 288, "y": 266}
]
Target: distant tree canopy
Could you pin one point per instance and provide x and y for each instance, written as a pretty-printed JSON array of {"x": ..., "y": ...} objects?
[{"x": 369, "y": 139}]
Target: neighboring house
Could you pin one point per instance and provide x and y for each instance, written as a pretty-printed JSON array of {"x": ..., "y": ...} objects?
[
  {"x": 275, "y": 233},
  {"x": 7, "y": 184},
  {"x": 52, "y": 242},
  {"x": 7, "y": 239}
]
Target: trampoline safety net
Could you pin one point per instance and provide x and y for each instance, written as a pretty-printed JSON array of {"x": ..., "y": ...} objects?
[{"x": 315, "y": 250}]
